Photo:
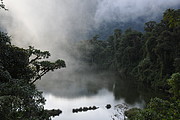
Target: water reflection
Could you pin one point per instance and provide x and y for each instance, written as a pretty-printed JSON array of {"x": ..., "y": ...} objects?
[
  {"x": 100, "y": 99},
  {"x": 125, "y": 88},
  {"x": 66, "y": 91}
]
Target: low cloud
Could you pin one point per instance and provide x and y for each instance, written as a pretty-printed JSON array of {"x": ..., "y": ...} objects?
[{"x": 55, "y": 24}]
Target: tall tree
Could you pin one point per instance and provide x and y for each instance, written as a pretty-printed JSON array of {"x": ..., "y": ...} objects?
[{"x": 19, "y": 69}]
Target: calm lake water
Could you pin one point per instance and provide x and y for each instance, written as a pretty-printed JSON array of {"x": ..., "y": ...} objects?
[{"x": 66, "y": 91}]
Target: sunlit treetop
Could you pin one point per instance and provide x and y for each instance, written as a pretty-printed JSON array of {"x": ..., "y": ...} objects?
[{"x": 172, "y": 17}]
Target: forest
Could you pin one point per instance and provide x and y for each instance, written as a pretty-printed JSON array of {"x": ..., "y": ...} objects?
[{"x": 152, "y": 57}]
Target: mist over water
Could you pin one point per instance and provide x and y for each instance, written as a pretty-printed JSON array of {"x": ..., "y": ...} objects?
[
  {"x": 76, "y": 84},
  {"x": 55, "y": 25},
  {"x": 89, "y": 89}
]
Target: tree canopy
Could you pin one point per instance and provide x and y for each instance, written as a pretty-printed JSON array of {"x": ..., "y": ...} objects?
[
  {"x": 151, "y": 57},
  {"x": 19, "y": 69}
]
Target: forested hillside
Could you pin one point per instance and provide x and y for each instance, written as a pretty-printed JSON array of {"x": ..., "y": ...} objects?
[{"x": 151, "y": 56}]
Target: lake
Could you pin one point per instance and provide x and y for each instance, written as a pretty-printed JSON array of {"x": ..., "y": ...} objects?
[{"x": 70, "y": 90}]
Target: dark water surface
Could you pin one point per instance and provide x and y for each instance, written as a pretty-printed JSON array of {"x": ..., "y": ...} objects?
[{"x": 75, "y": 90}]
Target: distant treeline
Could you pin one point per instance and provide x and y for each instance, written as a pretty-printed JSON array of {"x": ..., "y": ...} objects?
[{"x": 151, "y": 56}]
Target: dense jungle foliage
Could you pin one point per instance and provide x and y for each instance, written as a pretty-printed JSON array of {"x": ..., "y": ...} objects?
[
  {"x": 152, "y": 57},
  {"x": 19, "y": 69}
]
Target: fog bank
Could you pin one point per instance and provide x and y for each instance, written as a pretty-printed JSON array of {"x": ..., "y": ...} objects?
[{"x": 54, "y": 25}]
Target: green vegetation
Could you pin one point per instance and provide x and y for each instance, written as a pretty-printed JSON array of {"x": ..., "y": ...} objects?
[
  {"x": 159, "y": 109},
  {"x": 19, "y": 69},
  {"x": 151, "y": 57}
]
